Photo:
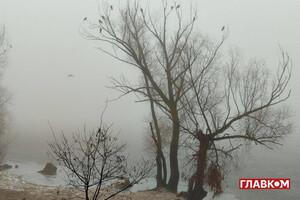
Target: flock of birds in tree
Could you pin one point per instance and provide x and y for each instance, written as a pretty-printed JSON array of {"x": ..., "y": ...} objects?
[{"x": 111, "y": 7}]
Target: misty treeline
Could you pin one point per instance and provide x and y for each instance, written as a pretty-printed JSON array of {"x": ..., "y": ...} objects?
[
  {"x": 4, "y": 95},
  {"x": 212, "y": 101}
]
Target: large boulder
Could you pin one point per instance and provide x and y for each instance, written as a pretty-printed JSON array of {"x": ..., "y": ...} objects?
[
  {"x": 4, "y": 167},
  {"x": 49, "y": 169}
]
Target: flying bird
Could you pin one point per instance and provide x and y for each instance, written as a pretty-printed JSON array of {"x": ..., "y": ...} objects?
[
  {"x": 85, "y": 19},
  {"x": 70, "y": 75},
  {"x": 223, "y": 28}
]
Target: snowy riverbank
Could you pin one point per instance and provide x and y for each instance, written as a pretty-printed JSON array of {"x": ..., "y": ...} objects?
[
  {"x": 25, "y": 181},
  {"x": 12, "y": 187}
]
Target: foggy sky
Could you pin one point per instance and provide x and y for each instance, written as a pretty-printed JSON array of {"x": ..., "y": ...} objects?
[{"x": 47, "y": 47}]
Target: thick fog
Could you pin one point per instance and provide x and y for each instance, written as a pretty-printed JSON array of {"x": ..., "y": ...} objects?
[{"x": 47, "y": 48}]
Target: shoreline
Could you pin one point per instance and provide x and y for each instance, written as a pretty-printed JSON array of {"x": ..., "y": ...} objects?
[
  {"x": 12, "y": 187},
  {"x": 25, "y": 182}
]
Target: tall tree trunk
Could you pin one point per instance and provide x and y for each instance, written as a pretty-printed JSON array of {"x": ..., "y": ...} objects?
[
  {"x": 160, "y": 181},
  {"x": 159, "y": 178},
  {"x": 195, "y": 190},
  {"x": 164, "y": 165},
  {"x": 174, "y": 176},
  {"x": 86, "y": 192}
]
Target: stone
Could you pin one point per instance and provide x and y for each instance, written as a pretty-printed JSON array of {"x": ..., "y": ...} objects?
[
  {"x": 4, "y": 167},
  {"x": 49, "y": 169}
]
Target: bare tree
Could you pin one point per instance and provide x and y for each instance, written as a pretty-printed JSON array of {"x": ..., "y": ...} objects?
[
  {"x": 93, "y": 160},
  {"x": 187, "y": 79},
  {"x": 4, "y": 96},
  {"x": 237, "y": 105},
  {"x": 149, "y": 45},
  {"x": 3, "y": 47},
  {"x": 156, "y": 141}
]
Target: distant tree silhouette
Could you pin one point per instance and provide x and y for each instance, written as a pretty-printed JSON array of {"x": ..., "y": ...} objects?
[
  {"x": 4, "y": 95},
  {"x": 156, "y": 140}
]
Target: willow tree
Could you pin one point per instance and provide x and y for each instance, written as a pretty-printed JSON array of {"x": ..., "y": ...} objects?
[{"x": 232, "y": 104}]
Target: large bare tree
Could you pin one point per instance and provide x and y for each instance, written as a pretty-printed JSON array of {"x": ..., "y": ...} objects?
[
  {"x": 152, "y": 45},
  {"x": 231, "y": 104},
  {"x": 205, "y": 96}
]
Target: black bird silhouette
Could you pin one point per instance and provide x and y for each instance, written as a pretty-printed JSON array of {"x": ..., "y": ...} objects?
[
  {"x": 223, "y": 28},
  {"x": 111, "y": 7},
  {"x": 70, "y": 75},
  {"x": 178, "y": 6},
  {"x": 85, "y": 19}
]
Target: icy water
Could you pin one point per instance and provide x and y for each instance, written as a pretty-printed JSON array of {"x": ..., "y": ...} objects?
[{"x": 282, "y": 162}]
